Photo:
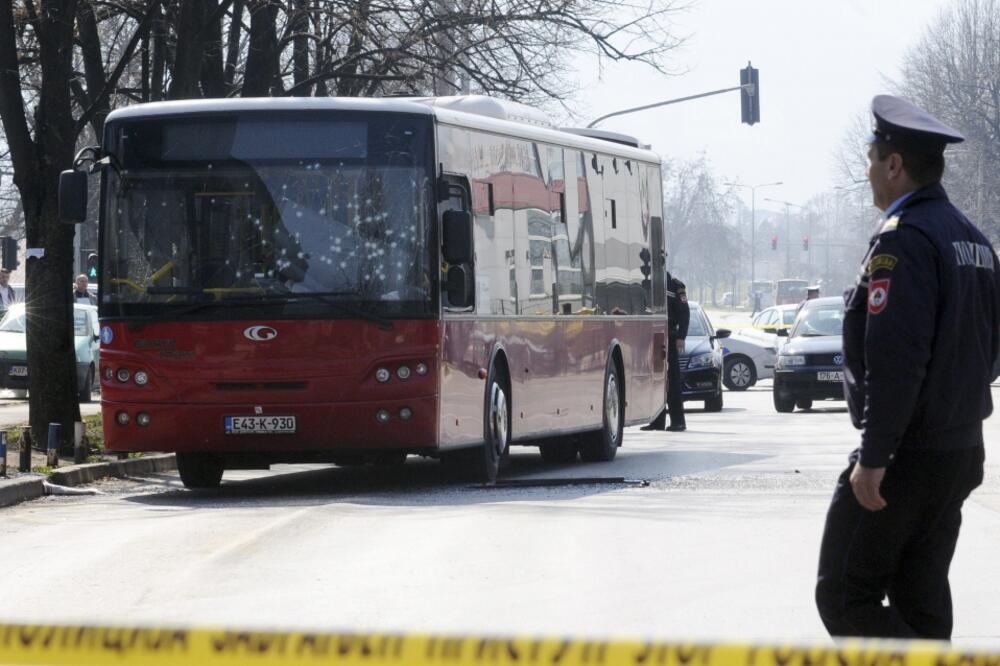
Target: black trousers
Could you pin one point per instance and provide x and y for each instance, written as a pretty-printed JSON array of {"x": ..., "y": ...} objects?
[
  {"x": 901, "y": 553},
  {"x": 675, "y": 403}
]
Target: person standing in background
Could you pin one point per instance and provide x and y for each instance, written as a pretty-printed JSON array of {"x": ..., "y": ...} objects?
[{"x": 678, "y": 318}]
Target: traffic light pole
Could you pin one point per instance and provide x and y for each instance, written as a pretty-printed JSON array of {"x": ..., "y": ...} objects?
[{"x": 748, "y": 87}]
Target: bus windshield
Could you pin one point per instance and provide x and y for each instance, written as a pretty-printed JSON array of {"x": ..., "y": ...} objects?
[{"x": 280, "y": 213}]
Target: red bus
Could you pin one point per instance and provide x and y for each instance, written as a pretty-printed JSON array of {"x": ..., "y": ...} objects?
[{"x": 353, "y": 280}]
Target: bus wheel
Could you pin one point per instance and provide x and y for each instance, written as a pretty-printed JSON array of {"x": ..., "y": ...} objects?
[
  {"x": 558, "y": 451},
  {"x": 390, "y": 459},
  {"x": 601, "y": 446},
  {"x": 486, "y": 460},
  {"x": 200, "y": 470}
]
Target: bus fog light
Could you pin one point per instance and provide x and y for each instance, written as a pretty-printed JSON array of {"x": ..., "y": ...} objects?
[
  {"x": 142, "y": 418},
  {"x": 382, "y": 375},
  {"x": 122, "y": 418},
  {"x": 141, "y": 378},
  {"x": 382, "y": 416},
  {"x": 108, "y": 373},
  {"x": 123, "y": 374},
  {"x": 406, "y": 413},
  {"x": 403, "y": 372},
  {"x": 421, "y": 368}
]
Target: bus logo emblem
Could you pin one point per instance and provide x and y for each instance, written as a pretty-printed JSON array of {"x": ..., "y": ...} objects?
[{"x": 260, "y": 333}]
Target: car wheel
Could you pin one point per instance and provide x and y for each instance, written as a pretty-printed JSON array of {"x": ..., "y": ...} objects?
[
  {"x": 200, "y": 470},
  {"x": 783, "y": 404},
  {"x": 602, "y": 445},
  {"x": 558, "y": 451},
  {"x": 804, "y": 404},
  {"x": 84, "y": 393},
  {"x": 739, "y": 373},
  {"x": 714, "y": 404}
]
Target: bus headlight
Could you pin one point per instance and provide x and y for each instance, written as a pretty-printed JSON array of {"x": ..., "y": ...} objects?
[
  {"x": 382, "y": 375},
  {"x": 421, "y": 369},
  {"x": 123, "y": 374},
  {"x": 141, "y": 378},
  {"x": 403, "y": 372},
  {"x": 382, "y": 416}
]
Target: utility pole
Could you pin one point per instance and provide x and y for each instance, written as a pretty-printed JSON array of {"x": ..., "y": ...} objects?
[
  {"x": 753, "y": 232},
  {"x": 788, "y": 233}
]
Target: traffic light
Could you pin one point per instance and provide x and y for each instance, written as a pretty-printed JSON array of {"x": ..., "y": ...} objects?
[
  {"x": 750, "y": 95},
  {"x": 805, "y": 243},
  {"x": 92, "y": 266},
  {"x": 774, "y": 242},
  {"x": 8, "y": 245}
]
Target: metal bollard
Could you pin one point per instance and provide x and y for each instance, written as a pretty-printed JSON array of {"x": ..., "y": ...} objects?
[
  {"x": 53, "y": 448},
  {"x": 79, "y": 450},
  {"x": 3, "y": 453},
  {"x": 24, "y": 464}
]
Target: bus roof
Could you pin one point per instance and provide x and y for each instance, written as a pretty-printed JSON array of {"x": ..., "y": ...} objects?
[{"x": 471, "y": 111}]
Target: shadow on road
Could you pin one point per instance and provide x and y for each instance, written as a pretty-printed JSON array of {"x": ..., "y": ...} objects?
[{"x": 428, "y": 483}]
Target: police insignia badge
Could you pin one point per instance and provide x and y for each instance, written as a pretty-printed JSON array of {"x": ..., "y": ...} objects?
[
  {"x": 878, "y": 296},
  {"x": 882, "y": 261},
  {"x": 890, "y": 224}
]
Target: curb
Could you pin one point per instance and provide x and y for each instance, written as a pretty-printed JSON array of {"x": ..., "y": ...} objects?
[{"x": 22, "y": 489}]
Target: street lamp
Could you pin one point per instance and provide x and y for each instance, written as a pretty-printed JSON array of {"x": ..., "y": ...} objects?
[{"x": 753, "y": 231}]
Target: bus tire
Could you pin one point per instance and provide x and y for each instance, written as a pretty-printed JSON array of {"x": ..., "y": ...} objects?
[
  {"x": 485, "y": 460},
  {"x": 602, "y": 445},
  {"x": 562, "y": 450},
  {"x": 200, "y": 470}
]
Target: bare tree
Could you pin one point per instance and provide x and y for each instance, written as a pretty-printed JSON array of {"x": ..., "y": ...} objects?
[
  {"x": 954, "y": 72},
  {"x": 701, "y": 241}
]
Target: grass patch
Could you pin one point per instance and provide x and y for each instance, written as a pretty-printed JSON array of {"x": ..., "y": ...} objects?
[
  {"x": 93, "y": 427},
  {"x": 42, "y": 469}
]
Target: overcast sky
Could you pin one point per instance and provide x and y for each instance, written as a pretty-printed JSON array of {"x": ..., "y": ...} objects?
[{"x": 820, "y": 64}]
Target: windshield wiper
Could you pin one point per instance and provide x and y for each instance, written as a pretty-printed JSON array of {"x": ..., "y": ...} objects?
[{"x": 329, "y": 298}]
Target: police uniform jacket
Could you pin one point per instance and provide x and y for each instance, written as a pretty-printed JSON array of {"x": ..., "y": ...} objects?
[
  {"x": 678, "y": 311},
  {"x": 922, "y": 331}
]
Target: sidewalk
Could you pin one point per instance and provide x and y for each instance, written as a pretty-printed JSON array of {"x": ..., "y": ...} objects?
[{"x": 19, "y": 486}]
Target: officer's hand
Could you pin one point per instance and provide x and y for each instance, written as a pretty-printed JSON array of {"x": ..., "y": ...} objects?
[
  {"x": 865, "y": 482},
  {"x": 680, "y": 346}
]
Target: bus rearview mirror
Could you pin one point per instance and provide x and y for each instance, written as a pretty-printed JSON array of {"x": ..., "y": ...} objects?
[
  {"x": 457, "y": 230},
  {"x": 72, "y": 196}
]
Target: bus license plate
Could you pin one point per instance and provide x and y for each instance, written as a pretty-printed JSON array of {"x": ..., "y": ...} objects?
[
  {"x": 260, "y": 425},
  {"x": 830, "y": 376},
  {"x": 18, "y": 371}
]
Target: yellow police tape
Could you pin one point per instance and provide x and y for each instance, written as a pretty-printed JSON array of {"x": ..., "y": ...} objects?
[{"x": 73, "y": 645}]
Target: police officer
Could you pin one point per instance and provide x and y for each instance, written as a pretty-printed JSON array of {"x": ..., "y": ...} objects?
[
  {"x": 920, "y": 338},
  {"x": 678, "y": 317}
]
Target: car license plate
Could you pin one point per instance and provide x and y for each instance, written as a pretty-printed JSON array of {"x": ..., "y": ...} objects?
[
  {"x": 18, "y": 371},
  {"x": 260, "y": 425},
  {"x": 830, "y": 376}
]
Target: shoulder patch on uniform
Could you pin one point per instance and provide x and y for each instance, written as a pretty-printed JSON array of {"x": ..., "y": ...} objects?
[
  {"x": 890, "y": 224},
  {"x": 878, "y": 296},
  {"x": 882, "y": 262}
]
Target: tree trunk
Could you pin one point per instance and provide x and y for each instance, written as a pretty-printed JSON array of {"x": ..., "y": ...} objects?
[
  {"x": 213, "y": 80},
  {"x": 51, "y": 356},
  {"x": 159, "y": 40},
  {"x": 300, "y": 49},
  {"x": 233, "y": 44},
  {"x": 260, "y": 77},
  {"x": 186, "y": 71}
]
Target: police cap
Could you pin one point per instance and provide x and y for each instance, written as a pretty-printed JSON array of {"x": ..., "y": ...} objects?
[{"x": 903, "y": 124}]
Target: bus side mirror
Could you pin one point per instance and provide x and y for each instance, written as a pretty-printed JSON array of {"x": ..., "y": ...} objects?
[
  {"x": 459, "y": 292},
  {"x": 457, "y": 230},
  {"x": 72, "y": 196}
]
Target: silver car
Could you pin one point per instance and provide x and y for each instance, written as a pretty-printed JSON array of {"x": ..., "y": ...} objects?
[{"x": 750, "y": 353}]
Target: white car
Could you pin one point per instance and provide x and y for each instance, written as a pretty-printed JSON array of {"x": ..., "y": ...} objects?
[{"x": 750, "y": 353}]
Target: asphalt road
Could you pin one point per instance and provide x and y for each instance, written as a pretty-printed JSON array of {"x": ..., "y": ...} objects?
[{"x": 721, "y": 543}]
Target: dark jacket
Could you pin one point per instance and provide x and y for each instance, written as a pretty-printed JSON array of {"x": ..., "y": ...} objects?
[
  {"x": 922, "y": 331},
  {"x": 678, "y": 311}
]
